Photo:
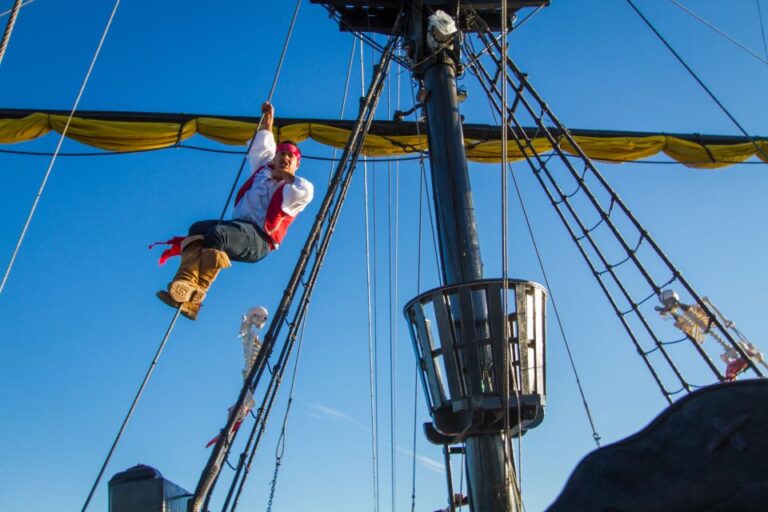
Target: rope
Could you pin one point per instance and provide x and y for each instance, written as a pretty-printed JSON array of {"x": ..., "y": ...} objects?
[
  {"x": 372, "y": 349},
  {"x": 58, "y": 147},
  {"x": 418, "y": 291},
  {"x": 511, "y": 478},
  {"x": 528, "y": 17},
  {"x": 132, "y": 408},
  {"x": 222, "y": 151},
  {"x": 423, "y": 172},
  {"x": 762, "y": 28},
  {"x": 698, "y": 80},
  {"x": 413, "y": 450},
  {"x": 392, "y": 277},
  {"x": 367, "y": 159},
  {"x": 595, "y": 435},
  {"x": 343, "y": 106},
  {"x": 23, "y": 4},
  {"x": 269, "y": 99},
  {"x": 280, "y": 447},
  {"x": 729, "y": 38},
  {"x": 9, "y": 28}
]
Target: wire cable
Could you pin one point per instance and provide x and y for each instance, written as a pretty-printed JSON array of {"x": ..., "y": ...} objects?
[
  {"x": 370, "y": 291},
  {"x": 58, "y": 146},
  {"x": 762, "y": 28},
  {"x": 540, "y": 260},
  {"x": 728, "y": 37},
  {"x": 9, "y": 28},
  {"x": 280, "y": 446},
  {"x": 269, "y": 99},
  {"x": 135, "y": 402},
  {"x": 595, "y": 436},
  {"x": 699, "y": 81}
]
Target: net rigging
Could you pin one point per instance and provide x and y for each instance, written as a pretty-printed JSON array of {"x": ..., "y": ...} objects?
[{"x": 582, "y": 232}]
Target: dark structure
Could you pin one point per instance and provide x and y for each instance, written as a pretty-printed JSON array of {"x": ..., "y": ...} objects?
[
  {"x": 480, "y": 343},
  {"x": 143, "y": 489},
  {"x": 705, "y": 452}
]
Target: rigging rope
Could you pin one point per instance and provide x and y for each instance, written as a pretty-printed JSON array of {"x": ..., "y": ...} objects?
[
  {"x": 565, "y": 209},
  {"x": 392, "y": 290},
  {"x": 595, "y": 435},
  {"x": 343, "y": 104},
  {"x": 726, "y": 36},
  {"x": 280, "y": 447},
  {"x": 372, "y": 345},
  {"x": 513, "y": 479},
  {"x": 762, "y": 28},
  {"x": 135, "y": 402},
  {"x": 58, "y": 146},
  {"x": 700, "y": 82},
  {"x": 269, "y": 99},
  {"x": 9, "y": 28}
]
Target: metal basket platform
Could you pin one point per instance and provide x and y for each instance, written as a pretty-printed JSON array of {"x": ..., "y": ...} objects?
[{"x": 458, "y": 335}]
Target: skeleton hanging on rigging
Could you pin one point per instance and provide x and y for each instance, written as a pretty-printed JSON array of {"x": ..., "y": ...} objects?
[
  {"x": 696, "y": 323},
  {"x": 253, "y": 320}
]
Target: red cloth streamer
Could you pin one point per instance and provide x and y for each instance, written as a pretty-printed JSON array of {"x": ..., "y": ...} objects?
[
  {"x": 734, "y": 368},
  {"x": 173, "y": 250},
  {"x": 235, "y": 428}
]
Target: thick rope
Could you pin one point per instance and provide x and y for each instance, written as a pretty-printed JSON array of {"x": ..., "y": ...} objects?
[
  {"x": 58, "y": 147},
  {"x": 269, "y": 99},
  {"x": 9, "y": 28}
]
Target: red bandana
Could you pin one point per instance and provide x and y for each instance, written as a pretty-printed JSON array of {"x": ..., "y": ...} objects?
[{"x": 287, "y": 147}]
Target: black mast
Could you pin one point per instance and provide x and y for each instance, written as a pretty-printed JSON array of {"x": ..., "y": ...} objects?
[{"x": 468, "y": 402}]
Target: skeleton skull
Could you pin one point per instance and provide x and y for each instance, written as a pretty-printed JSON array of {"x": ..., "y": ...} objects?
[{"x": 256, "y": 316}]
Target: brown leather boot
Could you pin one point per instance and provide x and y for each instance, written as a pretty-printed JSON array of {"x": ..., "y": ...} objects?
[
  {"x": 184, "y": 284},
  {"x": 211, "y": 263},
  {"x": 188, "y": 309}
]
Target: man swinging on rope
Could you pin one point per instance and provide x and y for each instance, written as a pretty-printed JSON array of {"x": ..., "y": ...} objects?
[{"x": 265, "y": 206}]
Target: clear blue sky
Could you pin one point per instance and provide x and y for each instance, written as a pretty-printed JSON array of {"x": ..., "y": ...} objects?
[{"x": 79, "y": 322}]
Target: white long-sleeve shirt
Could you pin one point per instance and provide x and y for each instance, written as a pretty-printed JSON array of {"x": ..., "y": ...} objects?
[{"x": 254, "y": 203}]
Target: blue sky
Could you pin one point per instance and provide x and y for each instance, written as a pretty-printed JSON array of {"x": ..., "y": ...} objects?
[{"x": 79, "y": 322}]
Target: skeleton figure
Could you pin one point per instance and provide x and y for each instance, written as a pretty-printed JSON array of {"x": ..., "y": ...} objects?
[
  {"x": 694, "y": 321},
  {"x": 253, "y": 320}
]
